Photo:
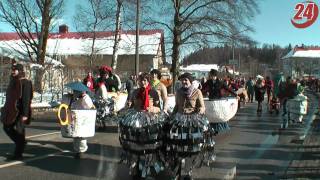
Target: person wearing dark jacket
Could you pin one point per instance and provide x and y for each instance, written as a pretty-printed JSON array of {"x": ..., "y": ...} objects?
[
  {"x": 16, "y": 113},
  {"x": 130, "y": 86},
  {"x": 213, "y": 86},
  {"x": 216, "y": 90},
  {"x": 259, "y": 91}
]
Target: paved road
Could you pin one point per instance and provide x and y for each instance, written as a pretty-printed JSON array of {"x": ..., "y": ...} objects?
[{"x": 255, "y": 148}]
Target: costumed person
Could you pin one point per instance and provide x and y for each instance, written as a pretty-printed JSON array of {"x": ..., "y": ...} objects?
[
  {"x": 160, "y": 87},
  {"x": 104, "y": 105},
  {"x": 89, "y": 81},
  {"x": 113, "y": 82},
  {"x": 187, "y": 142},
  {"x": 140, "y": 130},
  {"x": 259, "y": 90},
  {"x": 216, "y": 90},
  {"x": 79, "y": 100},
  {"x": 303, "y": 105},
  {"x": 16, "y": 112}
]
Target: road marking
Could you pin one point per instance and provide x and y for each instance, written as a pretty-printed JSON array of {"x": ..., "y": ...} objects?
[
  {"x": 32, "y": 159},
  {"x": 39, "y": 135}
]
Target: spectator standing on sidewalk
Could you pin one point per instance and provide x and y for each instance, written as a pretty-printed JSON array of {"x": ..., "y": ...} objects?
[{"x": 16, "y": 113}]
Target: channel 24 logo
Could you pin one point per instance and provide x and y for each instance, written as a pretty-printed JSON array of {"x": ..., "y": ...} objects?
[{"x": 306, "y": 13}]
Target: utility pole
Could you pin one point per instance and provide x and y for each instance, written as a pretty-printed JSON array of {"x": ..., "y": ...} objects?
[{"x": 137, "y": 38}]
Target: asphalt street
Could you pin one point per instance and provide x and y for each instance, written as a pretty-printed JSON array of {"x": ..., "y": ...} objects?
[{"x": 254, "y": 148}]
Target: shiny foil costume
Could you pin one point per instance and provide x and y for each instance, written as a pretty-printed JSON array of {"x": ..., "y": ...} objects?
[
  {"x": 189, "y": 142},
  {"x": 105, "y": 110},
  {"x": 141, "y": 139},
  {"x": 140, "y": 133}
]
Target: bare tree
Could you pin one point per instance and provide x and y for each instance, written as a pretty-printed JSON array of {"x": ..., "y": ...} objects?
[
  {"x": 32, "y": 20},
  {"x": 200, "y": 23},
  {"x": 100, "y": 16},
  {"x": 91, "y": 19},
  {"x": 117, "y": 35}
]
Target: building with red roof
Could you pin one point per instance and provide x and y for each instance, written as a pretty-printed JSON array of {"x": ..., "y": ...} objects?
[
  {"x": 302, "y": 61},
  {"x": 73, "y": 50}
]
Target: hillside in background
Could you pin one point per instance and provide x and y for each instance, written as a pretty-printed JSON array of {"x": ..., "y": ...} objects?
[{"x": 267, "y": 55}]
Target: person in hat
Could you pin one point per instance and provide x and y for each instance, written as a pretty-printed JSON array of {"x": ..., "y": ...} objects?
[
  {"x": 103, "y": 76},
  {"x": 217, "y": 89},
  {"x": 113, "y": 82},
  {"x": 16, "y": 113},
  {"x": 186, "y": 129},
  {"x": 214, "y": 86},
  {"x": 78, "y": 100},
  {"x": 160, "y": 87}
]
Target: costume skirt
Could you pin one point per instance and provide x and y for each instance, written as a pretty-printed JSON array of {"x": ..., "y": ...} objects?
[
  {"x": 140, "y": 135},
  {"x": 189, "y": 138}
]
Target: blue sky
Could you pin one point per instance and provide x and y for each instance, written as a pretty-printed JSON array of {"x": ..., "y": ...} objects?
[{"x": 272, "y": 25}]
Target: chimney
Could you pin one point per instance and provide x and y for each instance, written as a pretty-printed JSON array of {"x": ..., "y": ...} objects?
[{"x": 63, "y": 29}]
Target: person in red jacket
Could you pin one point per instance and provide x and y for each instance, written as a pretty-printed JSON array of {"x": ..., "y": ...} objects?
[
  {"x": 89, "y": 81},
  {"x": 269, "y": 87}
]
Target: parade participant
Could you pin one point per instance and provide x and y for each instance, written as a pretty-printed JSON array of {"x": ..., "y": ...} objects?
[
  {"x": 106, "y": 106},
  {"x": 16, "y": 113},
  {"x": 250, "y": 88},
  {"x": 259, "y": 90},
  {"x": 160, "y": 87},
  {"x": 101, "y": 90},
  {"x": 217, "y": 89},
  {"x": 269, "y": 87},
  {"x": 113, "y": 82},
  {"x": 287, "y": 90},
  {"x": 214, "y": 86},
  {"x": 89, "y": 81},
  {"x": 103, "y": 76},
  {"x": 140, "y": 130},
  {"x": 185, "y": 140},
  {"x": 79, "y": 100}
]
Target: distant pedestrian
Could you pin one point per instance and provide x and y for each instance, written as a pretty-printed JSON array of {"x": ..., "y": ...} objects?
[
  {"x": 259, "y": 90},
  {"x": 269, "y": 87},
  {"x": 250, "y": 88},
  {"x": 89, "y": 81},
  {"x": 16, "y": 113},
  {"x": 130, "y": 85}
]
